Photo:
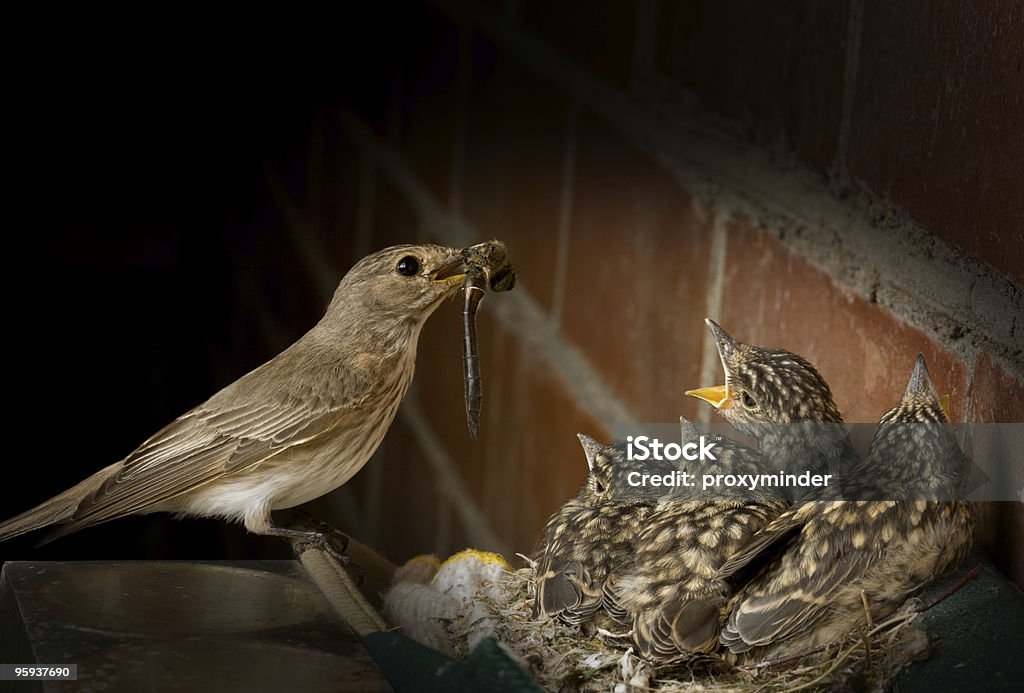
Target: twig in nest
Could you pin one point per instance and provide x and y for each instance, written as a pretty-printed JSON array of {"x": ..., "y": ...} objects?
[
  {"x": 975, "y": 572},
  {"x": 867, "y": 643},
  {"x": 529, "y": 561},
  {"x": 784, "y": 659},
  {"x": 867, "y": 609},
  {"x": 843, "y": 656}
]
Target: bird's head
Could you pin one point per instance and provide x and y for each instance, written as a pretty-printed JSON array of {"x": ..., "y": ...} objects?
[
  {"x": 601, "y": 463},
  {"x": 914, "y": 449},
  {"x": 765, "y": 387},
  {"x": 610, "y": 467},
  {"x": 602, "y": 460},
  {"x": 404, "y": 281}
]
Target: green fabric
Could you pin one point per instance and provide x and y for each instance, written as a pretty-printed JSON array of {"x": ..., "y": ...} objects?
[
  {"x": 413, "y": 668},
  {"x": 976, "y": 633}
]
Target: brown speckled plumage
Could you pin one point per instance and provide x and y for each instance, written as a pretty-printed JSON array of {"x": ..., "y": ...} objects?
[
  {"x": 670, "y": 595},
  {"x": 835, "y": 550},
  {"x": 587, "y": 538}
]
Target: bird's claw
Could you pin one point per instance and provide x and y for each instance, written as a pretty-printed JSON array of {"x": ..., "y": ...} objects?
[{"x": 308, "y": 532}]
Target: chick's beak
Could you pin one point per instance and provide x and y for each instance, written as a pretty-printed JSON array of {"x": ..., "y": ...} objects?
[{"x": 717, "y": 396}]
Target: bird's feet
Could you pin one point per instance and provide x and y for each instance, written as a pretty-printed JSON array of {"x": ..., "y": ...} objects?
[{"x": 306, "y": 532}]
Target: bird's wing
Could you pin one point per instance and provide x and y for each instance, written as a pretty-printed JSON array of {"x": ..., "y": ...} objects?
[
  {"x": 772, "y": 533},
  {"x": 559, "y": 587},
  {"x": 567, "y": 586},
  {"x": 797, "y": 592},
  {"x": 684, "y": 624},
  {"x": 197, "y": 448},
  {"x": 614, "y": 599}
]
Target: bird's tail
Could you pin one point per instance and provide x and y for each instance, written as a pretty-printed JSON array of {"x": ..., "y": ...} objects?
[{"x": 58, "y": 509}]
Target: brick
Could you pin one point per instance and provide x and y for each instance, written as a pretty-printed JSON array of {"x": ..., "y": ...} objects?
[
  {"x": 428, "y": 97},
  {"x": 775, "y": 298},
  {"x": 637, "y": 276},
  {"x": 512, "y": 181},
  {"x": 997, "y": 398},
  {"x": 938, "y": 117},
  {"x": 776, "y": 68},
  {"x": 599, "y": 36}
]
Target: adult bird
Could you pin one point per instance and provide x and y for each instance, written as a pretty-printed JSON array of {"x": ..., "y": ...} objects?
[{"x": 293, "y": 429}]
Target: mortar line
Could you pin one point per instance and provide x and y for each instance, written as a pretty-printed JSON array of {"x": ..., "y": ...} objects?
[
  {"x": 645, "y": 41},
  {"x": 462, "y": 87},
  {"x": 443, "y": 527},
  {"x": 318, "y": 264},
  {"x": 366, "y": 191},
  {"x": 854, "y": 33},
  {"x": 839, "y": 236},
  {"x": 711, "y": 364},
  {"x": 314, "y": 176},
  {"x": 450, "y": 482},
  {"x": 572, "y": 119},
  {"x": 396, "y": 88}
]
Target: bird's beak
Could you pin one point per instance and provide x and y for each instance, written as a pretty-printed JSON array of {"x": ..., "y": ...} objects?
[
  {"x": 944, "y": 403},
  {"x": 454, "y": 270},
  {"x": 726, "y": 344},
  {"x": 717, "y": 396},
  {"x": 920, "y": 380},
  {"x": 590, "y": 447}
]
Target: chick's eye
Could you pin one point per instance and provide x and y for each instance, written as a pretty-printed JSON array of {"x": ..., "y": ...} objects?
[
  {"x": 748, "y": 401},
  {"x": 408, "y": 266}
]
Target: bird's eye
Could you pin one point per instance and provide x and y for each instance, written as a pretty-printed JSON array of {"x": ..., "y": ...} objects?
[
  {"x": 748, "y": 401},
  {"x": 600, "y": 486},
  {"x": 408, "y": 266}
]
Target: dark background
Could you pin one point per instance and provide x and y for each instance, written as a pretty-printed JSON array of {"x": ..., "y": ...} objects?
[{"x": 137, "y": 162}]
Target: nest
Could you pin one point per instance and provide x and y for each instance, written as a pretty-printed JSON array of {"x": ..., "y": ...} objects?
[{"x": 562, "y": 658}]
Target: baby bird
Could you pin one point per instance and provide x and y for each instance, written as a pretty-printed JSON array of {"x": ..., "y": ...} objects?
[
  {"x": 836, "y": 550},
  {"x": 780, "y": 398},
  {"x": 588, "y": 537},
  {"x": 670, "y": 594}
]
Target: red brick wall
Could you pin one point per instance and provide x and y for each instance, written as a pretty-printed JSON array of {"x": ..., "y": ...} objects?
[{"x": 840, "y": 179}]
